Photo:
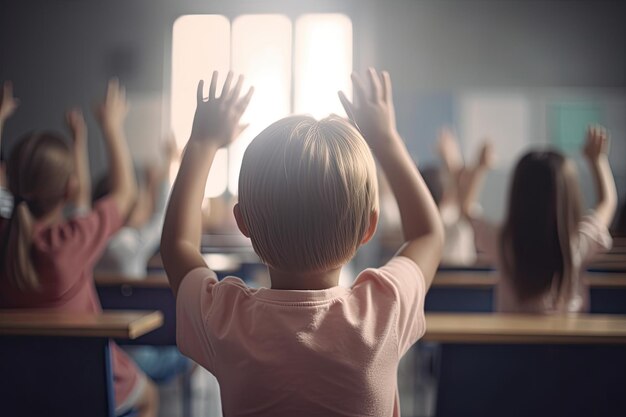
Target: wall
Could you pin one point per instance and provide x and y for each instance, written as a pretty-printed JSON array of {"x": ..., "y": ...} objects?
[{"x": 61, "y": 52}]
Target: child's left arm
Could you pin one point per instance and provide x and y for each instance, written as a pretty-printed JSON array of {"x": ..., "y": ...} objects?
[
  {"x": 596, "y": 152},
  {"x": 216, "y": 124},
  {"x": 76, "y": 123},
  {"x": 8, "y": 105},
  {"x": 474, "y": 178}
]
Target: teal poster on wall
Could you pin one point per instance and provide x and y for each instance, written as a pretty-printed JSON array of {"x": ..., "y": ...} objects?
[{"x": 569, "y": 122}]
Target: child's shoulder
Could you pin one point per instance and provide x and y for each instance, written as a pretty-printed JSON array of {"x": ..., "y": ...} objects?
[{"x": 399, "y": 274}]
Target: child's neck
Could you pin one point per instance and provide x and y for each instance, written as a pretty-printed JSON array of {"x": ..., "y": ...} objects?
[{"x": 282, "y": 280}]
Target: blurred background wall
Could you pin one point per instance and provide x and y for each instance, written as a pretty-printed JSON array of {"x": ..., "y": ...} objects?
[{"x": 522, "y": 72}]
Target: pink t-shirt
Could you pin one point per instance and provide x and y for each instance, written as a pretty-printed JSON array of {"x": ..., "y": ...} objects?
[
  {"x": 64, "y": 256},
  {"x": 593, "y": 237},
  {"x": 332, "y": 352}
]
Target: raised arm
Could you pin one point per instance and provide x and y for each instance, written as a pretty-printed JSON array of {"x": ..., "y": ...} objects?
[
  {"x": 216, "y": 124},
  {"x": 373, "y": 113},
  {"x": 8, "y": 104},
  {"x": 453, "y": 167},
  {"x": 111, "y": 115},
  {"x": 595, "y": 150},
  {"x": 76, "y": 123},
  {"x": 473, "y": 178}
]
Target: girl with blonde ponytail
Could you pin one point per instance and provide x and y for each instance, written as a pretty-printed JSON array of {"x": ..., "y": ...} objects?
[{"x": 47, "y": 260}]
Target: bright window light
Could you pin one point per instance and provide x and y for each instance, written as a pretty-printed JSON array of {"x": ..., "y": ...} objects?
[
  {"x": 200, "y": 44},
  {"x": 323, "y": 63},
  {"x": 261, "y": 50}
]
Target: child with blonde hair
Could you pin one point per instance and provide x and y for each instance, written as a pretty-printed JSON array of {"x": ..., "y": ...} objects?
[
  {"x": 47, "y": 260},
  {"x": 545, "y": 242},
  {"x": 307, "y": 200}
]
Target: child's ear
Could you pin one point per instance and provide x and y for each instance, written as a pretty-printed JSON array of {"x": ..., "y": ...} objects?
[
  {"x": 371, "y": 229},
  {"x": 240, "y": 223}
]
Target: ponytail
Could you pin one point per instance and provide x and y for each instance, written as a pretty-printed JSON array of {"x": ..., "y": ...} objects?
[
  {"x": 38, "y": 172},
  {"x": 19, "y": 265}
]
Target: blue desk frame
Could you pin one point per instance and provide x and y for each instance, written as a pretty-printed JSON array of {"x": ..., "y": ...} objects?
[{"x": 77, "y": 370}]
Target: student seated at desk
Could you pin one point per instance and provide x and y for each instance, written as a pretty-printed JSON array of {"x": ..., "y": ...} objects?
[
  {"x": 545, "y": 242},
  {"x": 47, "y": 260},
  {"x": 450, "y": 187},
  {"x": 131, "y": 247},
  {"x": 307, "y": 200}
]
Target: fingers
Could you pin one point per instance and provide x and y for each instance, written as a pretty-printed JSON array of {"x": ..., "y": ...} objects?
[
  {"x": 347, "y": 106},
  {"x": 359, "y": 89},
  {"x": 242, "y": 104},
  {"x": 112, "y": 89},
  {"x": 200, "y": 92},
  {"x": 7, "y": 90},
  {"x": 213, "y": 86},
  {"x": 597, "y": 141},
  {"x": 375, "y": 87},
  {"x": 227, "y": 83},
  {"x": 234, "y": 94},
  {"x": 387, "y": 93}
]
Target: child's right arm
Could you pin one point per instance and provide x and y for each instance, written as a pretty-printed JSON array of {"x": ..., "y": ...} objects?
[
  {"x": 76, "y": 123},
  {"x": 596, "y": 152},
  {"x": 373, "y": 113},
  {"x": 111, "y": 115},
  {"x": 215, "y": 125}
]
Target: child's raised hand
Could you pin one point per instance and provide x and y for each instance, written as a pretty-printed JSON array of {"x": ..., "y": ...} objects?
[
  {"x": 76, "y": 123},
  {"x": 486, "y": 157},
  {"x": 113, "y": 110},
  {"x": 217, "y": 119},
  {"x": 8, "y": 103},
  {"x": 372, "y": 110},
  {"x": 597, "y": 143},
  {"x": 448, "y": 147}
]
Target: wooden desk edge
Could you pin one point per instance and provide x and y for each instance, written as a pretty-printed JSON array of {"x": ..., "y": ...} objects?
[
  {"x": 524, "y": 339},
  {"x": 495, "y": 328},
  {"x": 151, "y": 281},
  {"x": 117, "y": 325}
]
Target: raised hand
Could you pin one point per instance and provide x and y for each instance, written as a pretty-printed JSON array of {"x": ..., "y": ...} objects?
[
  {"x": 8, "y": 103},
  {"x": 217, "y": 119},
  {"x": 76, "y": 123},
  {"x": 113, "y": 110},
  {"x": 486, "y": 157},
  {"x": 596, "y": 144},
  {"x": 372, "y": 110},
  {"x": 595, "y": 150},
  {"x": 448, "y": 147}
]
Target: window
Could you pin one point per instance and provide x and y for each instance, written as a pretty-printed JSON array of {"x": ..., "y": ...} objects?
[{"x": 260, "y": 47}]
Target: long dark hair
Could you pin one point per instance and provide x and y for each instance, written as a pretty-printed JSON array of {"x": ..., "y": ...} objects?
[
  {"x": 543, "y": 214},
  {"x": 38, "y": 171}
]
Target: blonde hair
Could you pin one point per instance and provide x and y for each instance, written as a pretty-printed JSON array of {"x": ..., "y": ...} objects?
[
  {"x": 307, "y": 190},
  {"x": 38, "y": 172}
]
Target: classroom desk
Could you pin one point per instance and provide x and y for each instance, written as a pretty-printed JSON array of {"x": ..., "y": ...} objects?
[
  {"x": 151, "y": 293},
  {"x": 473, "y": 291},
  {"x": 59, "y": 364},
  {"x": 506, "y": 365}
]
